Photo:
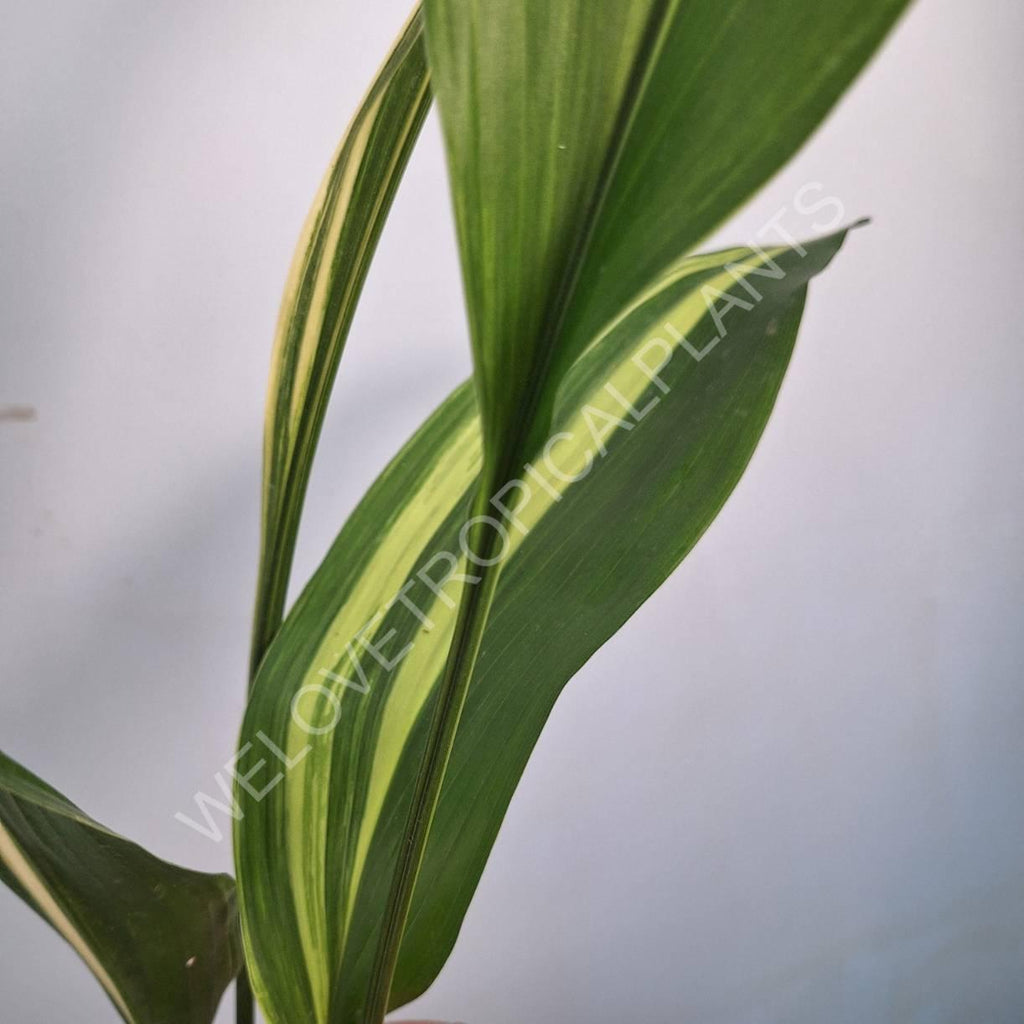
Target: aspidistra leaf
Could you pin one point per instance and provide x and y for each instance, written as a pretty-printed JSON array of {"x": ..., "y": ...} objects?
[
  {"x": 592, "y": 142},
  {"x": 343, "y": 734},
  {"x": 566, "y": 124},
  {"x": 163, "y": 941},
  {"x": 327, "y": 274}
]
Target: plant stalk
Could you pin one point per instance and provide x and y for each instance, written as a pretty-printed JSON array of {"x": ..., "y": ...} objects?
[
  {"x": 244, "y": 1009},
  {"x": 268, "y": 616}
]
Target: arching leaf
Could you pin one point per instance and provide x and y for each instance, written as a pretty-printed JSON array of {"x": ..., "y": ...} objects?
[
  {"x": 330, "y": 265},
  {"x": 337, "y": 724},
  {"x": 162, "y": 941}
]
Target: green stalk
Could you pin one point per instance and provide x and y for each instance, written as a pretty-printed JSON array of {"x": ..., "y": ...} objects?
[
  {"x": 243, "y": 999},
  {"x": 267, "y": 618}
]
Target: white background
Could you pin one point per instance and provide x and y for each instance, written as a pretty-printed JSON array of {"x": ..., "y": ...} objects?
[{"x": 791, "y": 789}]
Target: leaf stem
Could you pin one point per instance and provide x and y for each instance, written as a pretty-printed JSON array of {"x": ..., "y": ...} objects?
[{"x": 244, "y": 1012}]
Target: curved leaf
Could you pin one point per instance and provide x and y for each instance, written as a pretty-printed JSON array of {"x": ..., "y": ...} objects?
[
  {"x": 569, "y": 126},
  {"x": 330, "y": 265},
  {"x": 162, "y": 941},
  {"x": 342, "y": 705},
  {"x": 591, "y": 142}
]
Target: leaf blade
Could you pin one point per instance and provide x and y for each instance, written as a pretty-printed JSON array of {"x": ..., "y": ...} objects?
[
  {"x": 162, "y": 940},
  {"x": 351, "y": 793},
  {"x": 325, "y": 281},
  {"x": 507, "y": 72},
  {"x": 698, "y": 114}
]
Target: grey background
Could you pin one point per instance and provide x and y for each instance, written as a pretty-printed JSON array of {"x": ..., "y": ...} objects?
[{"x": 790, "y": 789}]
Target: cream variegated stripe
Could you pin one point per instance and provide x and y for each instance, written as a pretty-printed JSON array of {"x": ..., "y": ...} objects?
[
  {"x": 625, "y": 381},
  {"x": 402, "y": 554},
  {"x": 390, "y": 565},
  {"x": 327, "y": 220},
  {"x": 342, "y": 802},
  {"x": 406, "y": 694},
  {"x": 405, "y": 700},
  {"x": 323, "y": 286},
  {"x": 19, "y": 866},
  {"x": 325, "y": 279},
  {"x": 744, "y": 261},
  {"x": 162, "y": 941},
  {"x": 589, "y": 144}
]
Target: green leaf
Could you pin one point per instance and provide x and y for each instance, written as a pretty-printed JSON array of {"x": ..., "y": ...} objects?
[
  {"x": 163, "y": 941},
  {"x": 589, "y": 143},
  {"x": 338, "y": 736},
  {"x": 330, "y": 265}
]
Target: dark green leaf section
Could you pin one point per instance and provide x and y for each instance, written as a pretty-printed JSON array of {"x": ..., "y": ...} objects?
[
  {"x": 163, "y": 941},
  {"x": 330, "y": 265},
  {"x": 316, "y": 852},
  {"x": 565, "y": 124},
  {"x": 584, "y": 569},
  {"x": 591, "y": 142},
  {"x": 327, "y": 275},
  {"x": 531, "y": 96}
]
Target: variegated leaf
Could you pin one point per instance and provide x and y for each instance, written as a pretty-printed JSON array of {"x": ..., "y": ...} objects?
[
  {"x": 162, "y": 941},
  {"x": 330, "y": 265},
  {"x": 643, "y": 455}
]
